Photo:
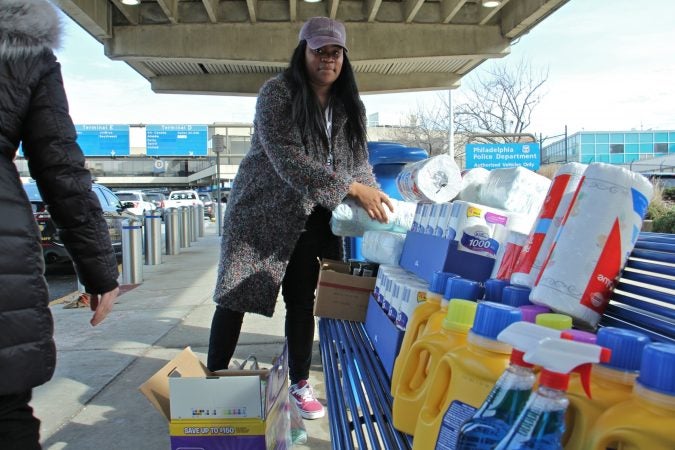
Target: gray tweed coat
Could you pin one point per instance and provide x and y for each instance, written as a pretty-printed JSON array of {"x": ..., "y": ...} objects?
[{"x": 278, "y": 184}]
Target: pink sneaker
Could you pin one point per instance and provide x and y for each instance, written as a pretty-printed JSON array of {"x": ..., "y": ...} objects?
[{"x": 309, "y": 406}]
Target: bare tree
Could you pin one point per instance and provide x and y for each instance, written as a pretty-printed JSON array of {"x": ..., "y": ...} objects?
[{"x": 499, "y": 99}]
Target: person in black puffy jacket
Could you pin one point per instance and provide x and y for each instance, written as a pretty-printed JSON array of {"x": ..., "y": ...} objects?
[{"x": 34, "y": 112}]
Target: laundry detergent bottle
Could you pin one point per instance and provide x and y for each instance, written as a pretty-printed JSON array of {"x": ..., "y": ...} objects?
[
  {"x": 418, "y": 321},
  {"x": 647, "y": 420},
  {"x": 455, "y": 287},
  {"x": 611, "y": 383},
  {"x": 423, "y": 358},
  {"x": 504, "y": 403},
  {"x": 464, "y": 377},
  {"x": 541, "y": 423}
]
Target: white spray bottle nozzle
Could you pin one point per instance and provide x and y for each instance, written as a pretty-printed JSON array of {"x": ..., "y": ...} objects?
[
  {"x": 524, "y": 336},
  {"x": 559, "y": 357}
]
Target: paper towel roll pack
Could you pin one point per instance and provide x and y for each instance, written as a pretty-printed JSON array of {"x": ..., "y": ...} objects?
[
  {"x": 472, "y": 183},
  {"x": 597, "y": 234},
  {"x": 382, "y": 247},
  {"x": 349, "y": 219},
  {"x": 515, "y": 189},
  {"x": 432, "y": 180},
  {"x": 558, "y": 199}
]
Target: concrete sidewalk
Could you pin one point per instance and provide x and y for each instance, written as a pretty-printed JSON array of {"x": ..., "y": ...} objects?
[{"x": 93, "y": 401}]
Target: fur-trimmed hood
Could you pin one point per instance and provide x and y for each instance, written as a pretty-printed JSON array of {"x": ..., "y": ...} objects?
[{"x": 28, "y": 27}]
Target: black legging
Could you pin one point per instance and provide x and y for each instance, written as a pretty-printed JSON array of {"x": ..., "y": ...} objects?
[{"x": 297, "y": 288}]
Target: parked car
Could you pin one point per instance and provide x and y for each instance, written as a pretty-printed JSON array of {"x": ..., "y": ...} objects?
[
  {"x": 183, "y": 198},
  {"x": 209, "y": 206},
  {"x": 158, "y": 199},
  {"x": 136, "y": 202},
  {"x": 52, "y": 247}
]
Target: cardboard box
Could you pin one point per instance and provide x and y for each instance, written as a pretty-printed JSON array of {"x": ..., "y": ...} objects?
[
  {"x": 228, "y": 409},
  {"x": 384, "y": 335},
  {"x": 340, "y": 295}
]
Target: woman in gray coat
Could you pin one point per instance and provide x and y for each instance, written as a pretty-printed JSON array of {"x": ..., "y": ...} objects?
[{"x": 308, "y": 152}]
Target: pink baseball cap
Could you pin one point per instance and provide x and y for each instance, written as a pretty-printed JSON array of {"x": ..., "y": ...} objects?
[{"x": 321, "y": 31}]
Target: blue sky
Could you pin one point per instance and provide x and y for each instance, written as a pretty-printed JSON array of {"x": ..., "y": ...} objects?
[{"x": 611, "y": 66}]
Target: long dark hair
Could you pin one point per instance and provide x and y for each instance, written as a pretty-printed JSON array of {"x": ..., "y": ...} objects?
[{"x": 306, "y": 110}]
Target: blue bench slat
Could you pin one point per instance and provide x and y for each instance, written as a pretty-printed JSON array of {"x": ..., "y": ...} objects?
[
  {"x": 657, "y": 237},
  {"x": 656, "y": 246},
  {"x": 336, "y": 412},
  {"x": 644, "y": 305},
  {"x": 658, "y": 325},
  {"x": 650, "y": 267},
  {"x": 355, "y": 405},
  {"x": 651, "y": 279},
  {"x": 609, "y": 320},
  {"x": 355, "y": 379},
  {"x": 646, "y": 292},
  {"x": 381, "y": 379},
  {"x": 653, "y": 255}
]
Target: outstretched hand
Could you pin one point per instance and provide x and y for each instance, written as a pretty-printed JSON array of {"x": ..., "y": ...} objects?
[
  {"x": 103, "y": 305},
  {"x": 372, "y": 200}
]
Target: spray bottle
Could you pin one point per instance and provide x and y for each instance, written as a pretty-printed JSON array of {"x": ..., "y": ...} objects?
[
  {"x": 464, "y": 378},
  {"x": 504, "y": 403},
  {"x": 542, "y": 423},
  {"x": 418, "y": 321},
  {"x": 647, "y": 420},
  {"x": 422, "y": 360},
  {"x": 611, "y": 383}
]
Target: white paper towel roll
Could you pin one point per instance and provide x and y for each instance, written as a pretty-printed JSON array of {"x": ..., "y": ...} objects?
[
  {"x": 515, "y": 189},
  {"x": 433, "y": 180},
  {"x": 349, "y": 219},
  {"x": 540, "y": 239},
  {"x": 598, "y": 233}
]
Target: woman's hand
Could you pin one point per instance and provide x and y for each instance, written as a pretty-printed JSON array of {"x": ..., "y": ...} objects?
[
  {"x": 372, "y": 200},
  {"x": 103, "y": 305}
]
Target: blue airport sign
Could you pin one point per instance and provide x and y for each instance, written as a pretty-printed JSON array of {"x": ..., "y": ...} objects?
[
  {"x": 103, "y": 140},
  {"x": 176, "y": 140},
  {"x": 499, "y": 156}
]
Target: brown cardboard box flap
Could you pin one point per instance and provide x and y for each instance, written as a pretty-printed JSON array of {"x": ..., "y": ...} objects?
[{"x": 156, "y": 388}]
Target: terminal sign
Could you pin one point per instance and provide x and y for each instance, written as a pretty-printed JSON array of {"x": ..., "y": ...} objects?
[
  {"x": 499, "y": 156},
  {"x": 103, "y": 140},
  {"x": 176, "y": 140}
]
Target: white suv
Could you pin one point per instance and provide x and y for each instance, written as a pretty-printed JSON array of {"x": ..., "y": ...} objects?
[{"x": 137, "y": 202}]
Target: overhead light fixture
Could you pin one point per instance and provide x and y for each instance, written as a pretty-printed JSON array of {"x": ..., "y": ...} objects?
[
  {"x": 131, "y": 2},
  {"x": 490, "y": 3},
  {"x": 312, "y": 1}
]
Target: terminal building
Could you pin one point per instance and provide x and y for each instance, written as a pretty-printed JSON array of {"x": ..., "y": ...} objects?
[{"x": 634, "y": 149}]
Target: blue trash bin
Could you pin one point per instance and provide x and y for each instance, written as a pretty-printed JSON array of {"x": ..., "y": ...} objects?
[{"x": 387, "y": 159}]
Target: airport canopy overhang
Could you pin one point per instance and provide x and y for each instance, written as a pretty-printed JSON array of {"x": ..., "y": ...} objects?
[{"x": 230, "y": 47}]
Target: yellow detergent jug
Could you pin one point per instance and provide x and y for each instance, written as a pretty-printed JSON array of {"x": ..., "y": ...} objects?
[
  {"x": 647, "y": 420},
  {"x": 464, "y": 377},
  {"x": 464, "y": 289},
  {"x": 611, "y": 383},
  {"x": 422, "y": 359},
  {"x": 415, "y": 326}
]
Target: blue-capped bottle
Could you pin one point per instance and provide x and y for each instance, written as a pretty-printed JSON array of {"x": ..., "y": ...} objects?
[
  {"x": 541, "y": 424},
  {"x": 504, "y": 403},
  {"x": 494, "y": 288},
  {"x": 611, "y": 382},
  {"x": 647, "y": 420},
  {"x": 418, "y": 322},
  {"x": 516, "y": 296},
  {"x": 464, "y": 377}
]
